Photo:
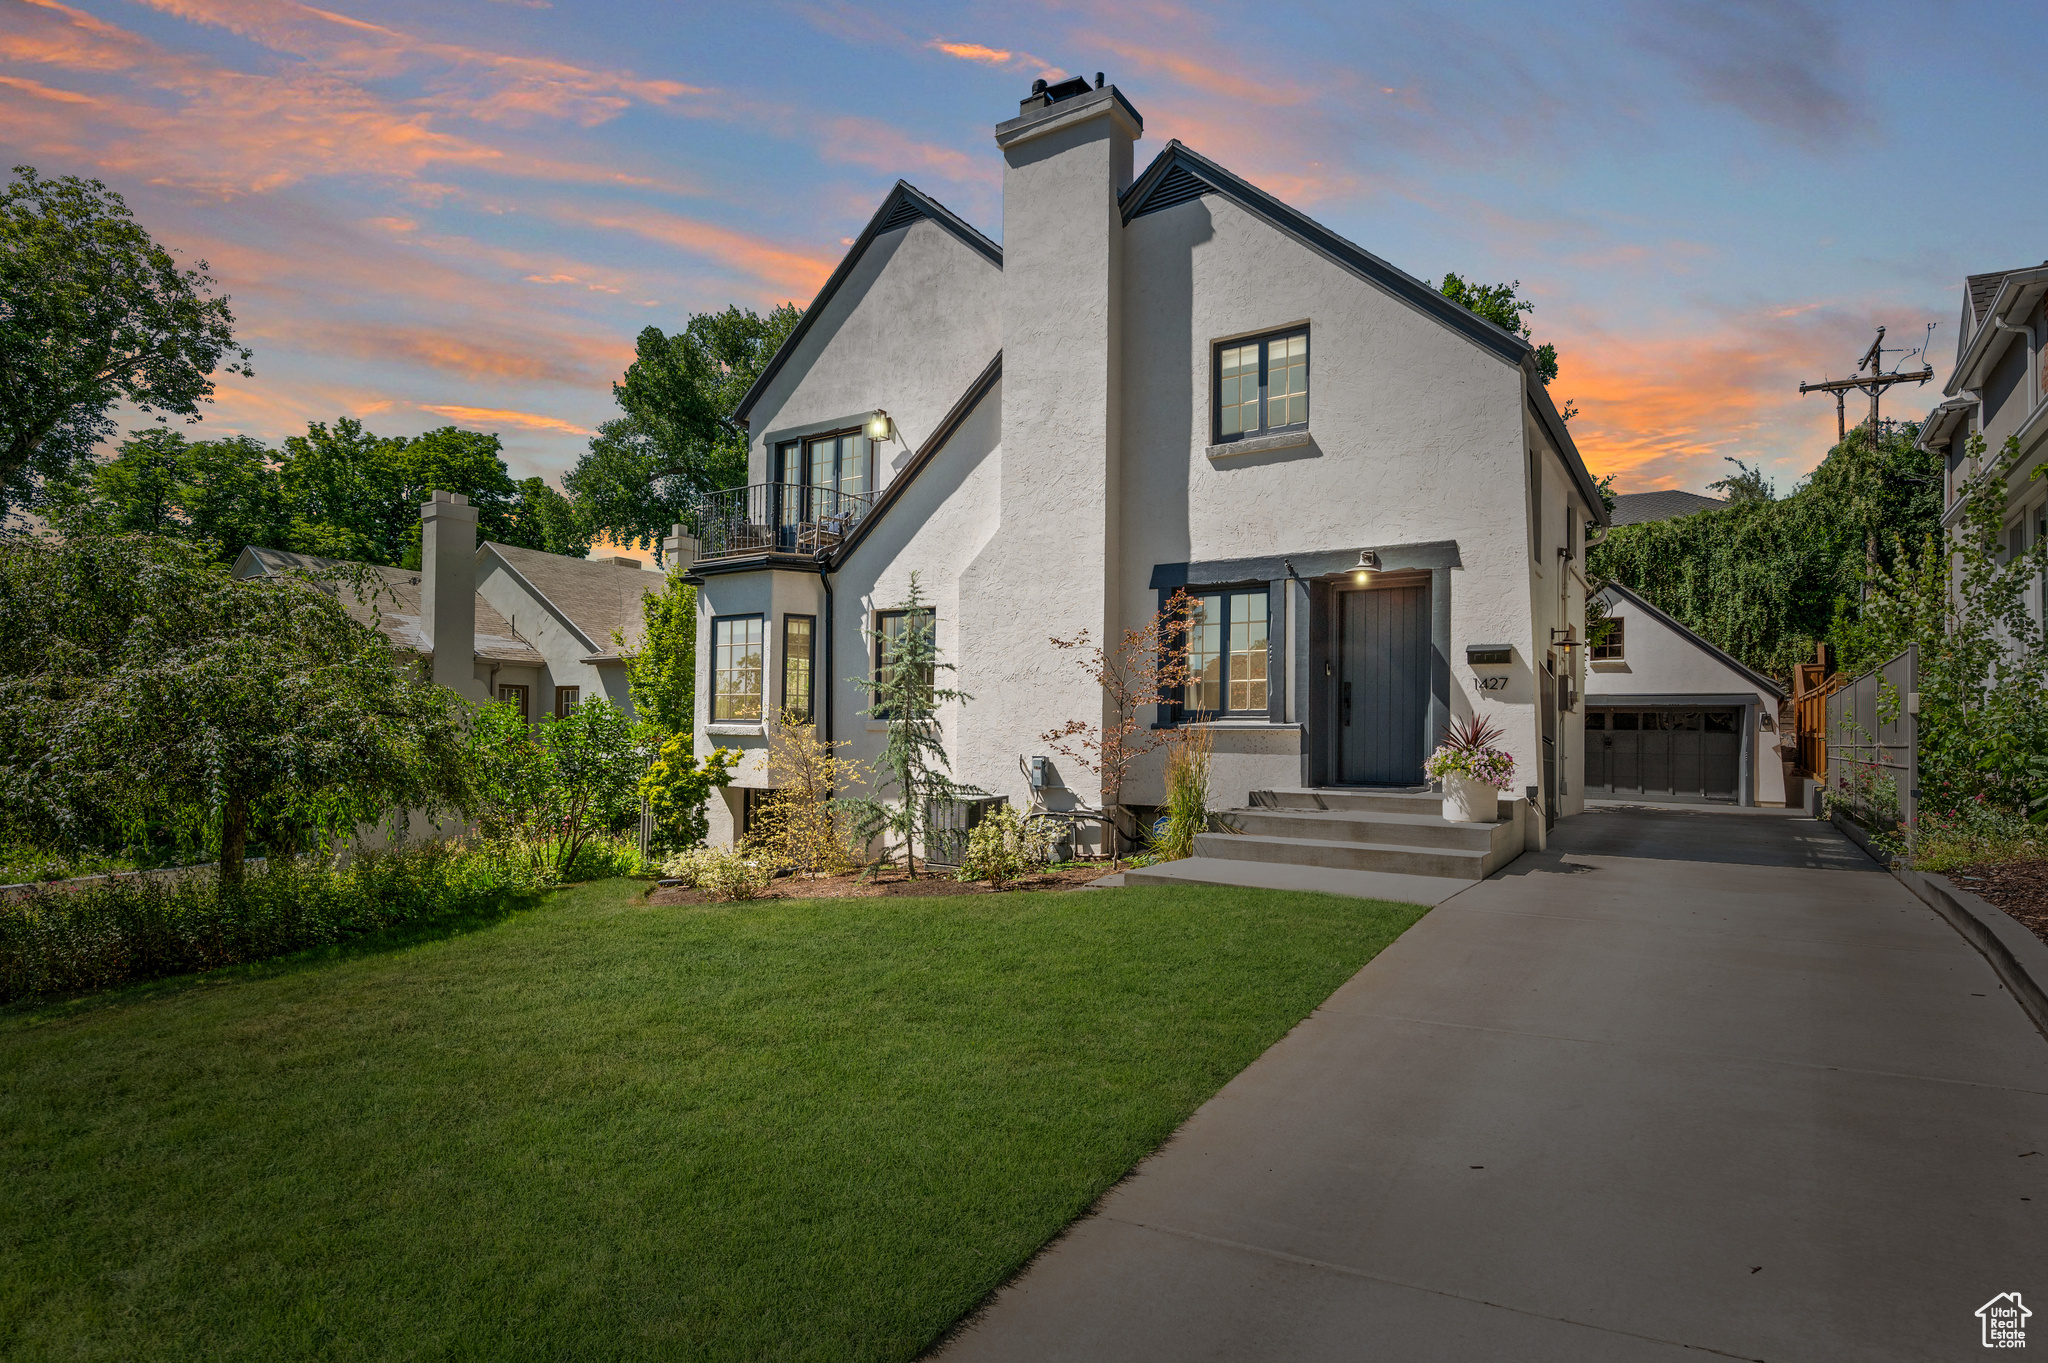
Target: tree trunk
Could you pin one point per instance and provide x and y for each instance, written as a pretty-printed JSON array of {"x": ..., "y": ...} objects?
[{"x": 234, "y": 840}]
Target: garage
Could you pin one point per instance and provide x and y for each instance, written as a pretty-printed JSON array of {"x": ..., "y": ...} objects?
[{"x": 1665, "y": 752}]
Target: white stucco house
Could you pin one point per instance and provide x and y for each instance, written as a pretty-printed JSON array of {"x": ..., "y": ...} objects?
[
  {"x": 1999, "y": 391},
  {"x": 496, "y": 621},
  {"x": 1671, "y": 717},
  {"x": 1162, "y": 378}
]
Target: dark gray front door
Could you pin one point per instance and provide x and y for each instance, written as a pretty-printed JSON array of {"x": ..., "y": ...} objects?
[{"x": 1383, "y": 686}]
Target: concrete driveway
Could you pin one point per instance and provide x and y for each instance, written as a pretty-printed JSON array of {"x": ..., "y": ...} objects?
[{"x": 1694, "y": 1083}]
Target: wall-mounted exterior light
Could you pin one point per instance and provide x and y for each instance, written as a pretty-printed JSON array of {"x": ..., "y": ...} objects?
[
  {"x": 1368, "y": 564},
  {"x": 879, "y": 425}
]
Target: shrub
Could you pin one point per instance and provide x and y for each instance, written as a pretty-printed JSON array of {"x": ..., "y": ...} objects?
[
  {"x": 1974, "y": 831},
  {"x": 1002, "y": 847},
  {"x": 734, "y": 873},
  {"x": 1187, "y": 796},
  {"x": 605, "y": 856},
  {"x": 802, "y": 827},
  {"x": 677, "y": 786},
  {"x": 141, "y": 928}
]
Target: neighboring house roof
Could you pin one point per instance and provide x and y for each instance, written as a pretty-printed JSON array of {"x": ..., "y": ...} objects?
[
  {"x": 1615, "y": 589},
  {"x": 904, "y": 205},
  {"x": 1634, "y": 508},
  {"x": 1983, "y": 288},
  {"x": 594, "y": 597},
  {"x": 394, "y": 609}
]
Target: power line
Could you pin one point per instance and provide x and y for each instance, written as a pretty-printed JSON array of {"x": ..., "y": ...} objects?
[{"x": 1872, "y": 383}]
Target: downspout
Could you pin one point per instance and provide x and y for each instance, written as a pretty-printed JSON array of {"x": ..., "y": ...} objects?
[{"x": 825, "y": 581}]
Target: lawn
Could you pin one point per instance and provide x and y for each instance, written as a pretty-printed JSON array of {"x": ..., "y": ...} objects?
[{"x": 805, "y": 1129}]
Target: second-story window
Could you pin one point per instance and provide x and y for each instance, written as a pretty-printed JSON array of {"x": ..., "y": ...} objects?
[
  {"x": 1261, "y": 385},
  {"x": 736, "y": 669},
  {"x": 1610, "y": 649}
]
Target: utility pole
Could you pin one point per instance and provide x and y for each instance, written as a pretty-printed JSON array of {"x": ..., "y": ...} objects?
[{"x": 1872, "y": 383}]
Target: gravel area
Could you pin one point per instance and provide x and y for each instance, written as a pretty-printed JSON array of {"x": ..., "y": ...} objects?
[
  {"x": 2018, "y": 887},
  {"x": 893, "y": 883}
]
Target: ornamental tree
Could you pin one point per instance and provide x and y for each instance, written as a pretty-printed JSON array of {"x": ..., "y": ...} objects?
[
  {"x": 141, "y": 685},
  {"x": 913, "y": 764},
  {"x": 1149, "y": 667}
]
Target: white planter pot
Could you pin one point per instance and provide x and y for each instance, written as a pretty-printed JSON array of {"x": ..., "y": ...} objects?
[{"x": 1469, "y": 801}]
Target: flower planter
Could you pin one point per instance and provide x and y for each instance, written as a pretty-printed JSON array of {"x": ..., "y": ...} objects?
[{"x": 1469, "y": 800}]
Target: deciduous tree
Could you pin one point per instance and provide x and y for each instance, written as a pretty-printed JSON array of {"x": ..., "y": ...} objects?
[
  {"x": 140, "y": 683},
  {"x": 94, "y": 312}
]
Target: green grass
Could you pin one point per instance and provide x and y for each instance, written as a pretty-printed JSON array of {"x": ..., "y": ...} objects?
[{"x": 788, "y": 1130}]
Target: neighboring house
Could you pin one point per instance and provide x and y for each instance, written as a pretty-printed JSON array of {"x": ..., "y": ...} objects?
[
  {"x": 499, "y": 622},
  {"x": 1671, "y": 717},
  {"x": 1634, "y": 508},
  {"x": 1163, "y": 378},
  {"x": 1999, "y": 390}
]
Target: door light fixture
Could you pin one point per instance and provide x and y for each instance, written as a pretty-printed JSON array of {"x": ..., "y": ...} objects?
[
  {"x": 1368, "y": 564},
  {"x": 879, "y": 425}
]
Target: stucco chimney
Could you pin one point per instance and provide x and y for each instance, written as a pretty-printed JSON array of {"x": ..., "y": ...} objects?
[
  {"x": 448, "y": 590},
  {"x": 679, "y": 550},
  {"x": 1066, "y": 157}
]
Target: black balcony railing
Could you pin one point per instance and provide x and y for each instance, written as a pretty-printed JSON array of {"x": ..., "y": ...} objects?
[{"x": 769, "y": 518}]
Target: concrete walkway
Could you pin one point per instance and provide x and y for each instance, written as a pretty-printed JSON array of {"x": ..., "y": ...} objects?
[{"x": 1695, "y": 1083}]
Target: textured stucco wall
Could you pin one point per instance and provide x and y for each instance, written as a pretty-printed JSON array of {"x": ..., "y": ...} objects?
[
  {"x": 917, "y": 320},
  {"x": 1417, "y": 435},
  {"x": 535, "y": 621},
  {"x": 1046, "y": 568},
  {"x": 1662, "y": 661}
]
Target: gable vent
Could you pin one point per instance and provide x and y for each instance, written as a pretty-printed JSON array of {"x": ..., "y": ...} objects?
[
  {"x": 1179, "y": 185},
  {"x": 903, "y": 214}
]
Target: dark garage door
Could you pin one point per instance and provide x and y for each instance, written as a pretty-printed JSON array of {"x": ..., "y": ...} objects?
[{"x": 1668, "y": 753}]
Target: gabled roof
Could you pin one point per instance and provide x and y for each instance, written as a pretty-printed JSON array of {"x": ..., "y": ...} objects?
[
  {"x": 1726, "y": 660},
  {"x": 1179, "y": 174},
  {"x": 394, "y": 608},
  {"x": 593, "y": 597},
  {"x": 904, "y": 205},
  {"x": 1635, "y": 508}
]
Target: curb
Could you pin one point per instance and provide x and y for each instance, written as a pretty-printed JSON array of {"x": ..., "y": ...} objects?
[{"x": 2019, "y": 957}]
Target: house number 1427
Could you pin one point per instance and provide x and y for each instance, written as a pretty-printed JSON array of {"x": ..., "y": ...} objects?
[{"x": 1499, "y": 683}]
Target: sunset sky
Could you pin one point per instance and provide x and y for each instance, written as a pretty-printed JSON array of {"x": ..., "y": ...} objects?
[{"x": 464, "y": 212}]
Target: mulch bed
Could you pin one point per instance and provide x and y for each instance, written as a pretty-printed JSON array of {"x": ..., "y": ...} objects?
[
  {"x": 892, "y": 883},
  {"x": 2018, "y": 887}
]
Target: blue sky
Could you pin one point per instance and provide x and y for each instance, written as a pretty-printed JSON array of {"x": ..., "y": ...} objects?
[{"x": 464, "y": 212}]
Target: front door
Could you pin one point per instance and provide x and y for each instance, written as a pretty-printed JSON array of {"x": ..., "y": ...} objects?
[{"x": 1383, "y": 686}]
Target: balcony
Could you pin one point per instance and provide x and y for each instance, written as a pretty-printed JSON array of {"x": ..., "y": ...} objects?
[{"x": 776, "y": 518}]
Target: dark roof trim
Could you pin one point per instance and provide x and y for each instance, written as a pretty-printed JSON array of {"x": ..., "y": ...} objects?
[
  {"x": 1552, "y": 422},
  {"x": 1759, "y": 678},
  {"x": 1305, "y": 564},
  {"x": 893, "y": 493},
  {"x": 903, "y": 205},
  {"x": 1136, "y": 201}
]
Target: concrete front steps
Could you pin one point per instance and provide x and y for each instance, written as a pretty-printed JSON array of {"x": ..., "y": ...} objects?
[{"x": 1377, "y": 844}]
